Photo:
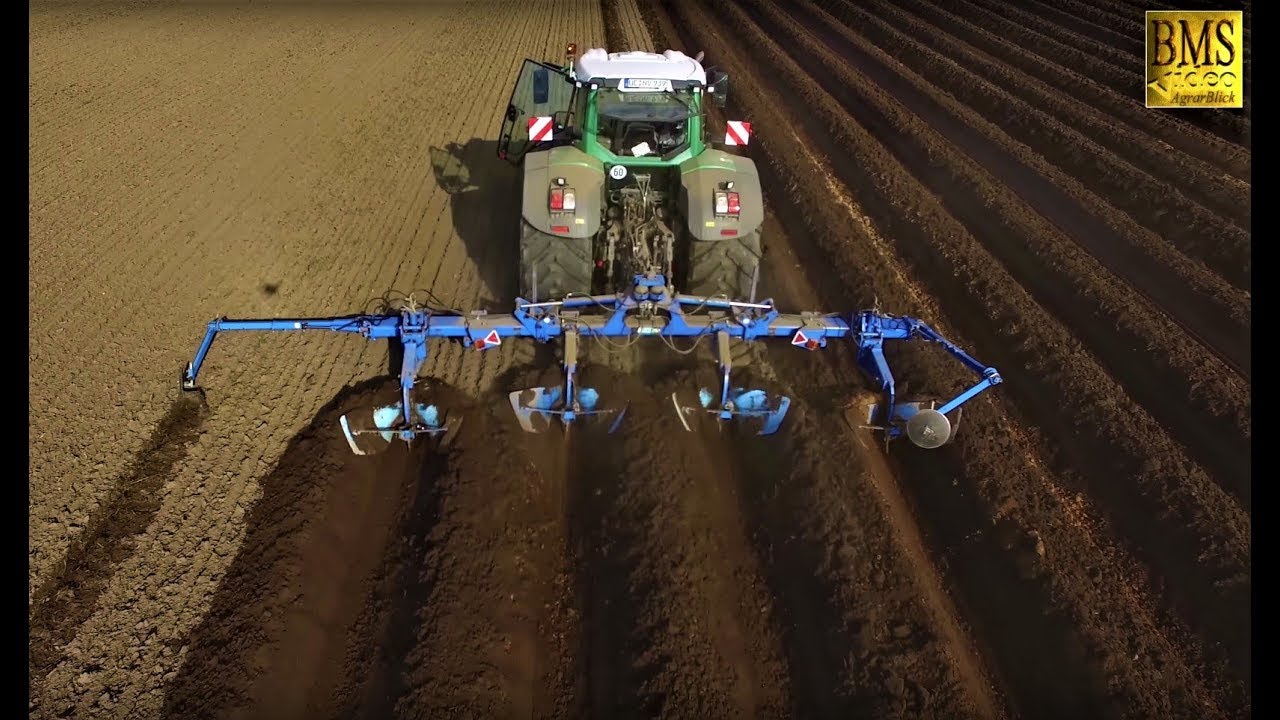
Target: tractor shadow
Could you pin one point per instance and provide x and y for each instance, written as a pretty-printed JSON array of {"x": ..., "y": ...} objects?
[
  {"x": 289, "y": 628},
  {"x": 484, "y": 199}
]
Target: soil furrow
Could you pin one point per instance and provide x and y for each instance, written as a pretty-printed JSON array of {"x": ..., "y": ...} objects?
[
  {"x": 836, "y": 233},
  {"x": 1138, "y": 526},
  {"x": 974, "y": 185},
  {"x": 1075, "y": 16},
  {"x": 1199, "y": 180},
  {"x": 1082, "y": 549},
  {"x": 1075, "y": 69},
  {"x": 696, "y": 641},
  {"x": 1231, "y": 125},
  {"x": 841, "y": 591},
  {"x": 1190, "y": 228}
]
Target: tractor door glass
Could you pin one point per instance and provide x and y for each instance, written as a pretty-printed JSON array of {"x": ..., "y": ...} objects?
[
  {"x": 541, "y": 90},
  {"x": 655, "y": 122}
]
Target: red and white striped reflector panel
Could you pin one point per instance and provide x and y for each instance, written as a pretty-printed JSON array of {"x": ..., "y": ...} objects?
[
  {"x": 737, "y": 132},
  {"x": 540, "y": 128}
]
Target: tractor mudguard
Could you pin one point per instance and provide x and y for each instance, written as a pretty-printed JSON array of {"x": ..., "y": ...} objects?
[
  {"x": 701, "y": 177},
  {"x": 582, "y": 173}
]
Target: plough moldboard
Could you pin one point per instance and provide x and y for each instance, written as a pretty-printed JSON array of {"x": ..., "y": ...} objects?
[{"x": 650, "y": 308}]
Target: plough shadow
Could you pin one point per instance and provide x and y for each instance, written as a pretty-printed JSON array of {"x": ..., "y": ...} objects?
[
  {"x": 485, "y": 202},
  {"x": 281, "y": 580},
  {"x": 68, "y": 598}
]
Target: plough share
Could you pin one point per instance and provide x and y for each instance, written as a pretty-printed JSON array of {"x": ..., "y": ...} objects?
[{"x": 649, "y": 308}]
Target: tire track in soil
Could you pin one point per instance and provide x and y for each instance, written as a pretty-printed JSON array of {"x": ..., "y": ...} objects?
[
  {"x": 628, "y": 28},
  {"x": 1184, "y": 226},
  {"x": 923, "y": 135},
  {"x": 496, "y": 183},
  {"x": 1022, "y": 512},
  {"x": 478, "y": 233},
  {"x": 878, "y": 625},
  {"x": 1072, "y": 64}
]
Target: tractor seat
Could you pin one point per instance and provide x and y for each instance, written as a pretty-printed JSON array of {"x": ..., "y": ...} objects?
[{"x": 637, "y": 133}]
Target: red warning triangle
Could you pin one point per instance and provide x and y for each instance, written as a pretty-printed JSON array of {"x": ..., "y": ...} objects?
[
  {"x": 799, "y": 338},
  {"x": 492, "y": 339}
]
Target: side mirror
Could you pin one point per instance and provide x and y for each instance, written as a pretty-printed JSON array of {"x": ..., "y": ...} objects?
[
  {"x": 719, "y": 90},
  {"x": 541, "y": 86},
  {"x": 561, "y": 118}
]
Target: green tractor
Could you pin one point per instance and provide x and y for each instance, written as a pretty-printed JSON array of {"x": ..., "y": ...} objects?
[{"x": 619, "y": 178}]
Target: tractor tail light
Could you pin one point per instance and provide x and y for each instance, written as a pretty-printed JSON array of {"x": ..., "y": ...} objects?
[
  {"x": 727, "y": 203},
  {"x": 563, "y": 199}
]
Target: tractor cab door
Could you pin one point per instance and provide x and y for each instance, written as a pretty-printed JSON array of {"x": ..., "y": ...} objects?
[{"x": 538, "y": 114}]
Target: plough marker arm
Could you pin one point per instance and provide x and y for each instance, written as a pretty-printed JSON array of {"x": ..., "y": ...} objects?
[{"x": 372, "y": 327}]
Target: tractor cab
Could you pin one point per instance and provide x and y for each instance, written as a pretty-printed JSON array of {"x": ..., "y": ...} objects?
[
  {"x": 642, "y": 124},
  {"x": 634, "y": 109}
]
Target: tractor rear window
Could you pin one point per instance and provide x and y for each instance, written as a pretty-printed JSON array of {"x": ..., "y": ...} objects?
[{"x": 641, "y": 107}]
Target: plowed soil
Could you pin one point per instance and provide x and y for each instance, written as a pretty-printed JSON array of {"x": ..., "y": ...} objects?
[{"x": 1081, "y": 551}]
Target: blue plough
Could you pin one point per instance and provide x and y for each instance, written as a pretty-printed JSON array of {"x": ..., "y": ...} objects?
[{"x": 648, "y": 309}]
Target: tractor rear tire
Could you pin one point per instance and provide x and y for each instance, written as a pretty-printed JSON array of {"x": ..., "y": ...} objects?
[
  {"x": 564, "y": 264},
  {"x": 726, "y": 267}
]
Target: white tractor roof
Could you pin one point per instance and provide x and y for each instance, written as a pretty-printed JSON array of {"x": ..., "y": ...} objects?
[{"x": 598, "y": 64}]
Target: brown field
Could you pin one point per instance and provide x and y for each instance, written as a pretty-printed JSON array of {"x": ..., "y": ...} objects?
[{"x": 1082, "y": 551}]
